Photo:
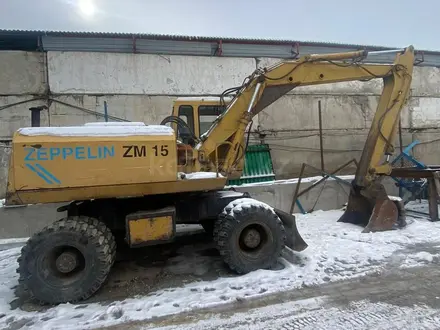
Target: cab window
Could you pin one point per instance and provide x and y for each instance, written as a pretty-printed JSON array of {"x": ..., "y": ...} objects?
[
  {"x": 186, "y": 113},
  {"x": 207, "y": 114}
]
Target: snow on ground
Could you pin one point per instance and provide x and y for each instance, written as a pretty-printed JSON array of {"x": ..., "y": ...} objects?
[
  {"x": 336, "y": 251},
  {"x": 314, "y": 314},
  {"x": 4, "y": 241}
]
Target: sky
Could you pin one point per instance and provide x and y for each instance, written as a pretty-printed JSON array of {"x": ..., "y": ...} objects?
[{"x": 392, "y": 23}]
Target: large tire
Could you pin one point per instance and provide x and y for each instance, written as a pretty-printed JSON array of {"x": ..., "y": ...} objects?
[
  {"x": 86, "y": 244},
  {"x": 235, "y": 232}
]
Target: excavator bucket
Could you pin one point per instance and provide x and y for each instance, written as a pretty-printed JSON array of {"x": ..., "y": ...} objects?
[
  {"x": 294, "y": 240},
  {"x": 374, "y": 214}
]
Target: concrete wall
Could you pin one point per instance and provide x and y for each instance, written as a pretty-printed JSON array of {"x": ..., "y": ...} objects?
[
  {"x": 143, "y": 87},
  {"x": 101, "y": 73},
  {"x": 22, "y": 73}
]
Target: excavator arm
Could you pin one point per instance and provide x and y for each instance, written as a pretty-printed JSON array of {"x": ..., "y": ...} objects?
[{"x": 222, "y": 146}]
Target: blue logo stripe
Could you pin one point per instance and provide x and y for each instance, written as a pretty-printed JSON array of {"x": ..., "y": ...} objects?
[
  {"x": 29, "y": 166},
  {"x": 46, "y": 172}
]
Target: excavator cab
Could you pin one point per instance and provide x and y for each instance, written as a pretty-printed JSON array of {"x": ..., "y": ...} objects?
[{"x": 191, "y": 118}]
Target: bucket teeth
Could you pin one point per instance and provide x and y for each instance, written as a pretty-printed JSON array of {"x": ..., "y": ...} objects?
[
  {"x": 384, "y": 217},
  {"x": 379, "y": 214}
]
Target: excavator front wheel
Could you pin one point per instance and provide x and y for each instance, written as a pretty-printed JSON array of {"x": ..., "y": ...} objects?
[{"x": 249, "y": 237}]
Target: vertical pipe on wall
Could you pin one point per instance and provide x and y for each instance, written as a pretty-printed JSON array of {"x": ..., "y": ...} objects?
[
  {"x": 321, "y": 147},
  {"x": 105, "y": 111}
]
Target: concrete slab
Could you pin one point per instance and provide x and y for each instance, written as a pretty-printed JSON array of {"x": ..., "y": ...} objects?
[
  {"x": 110, "y": 73},
  {"x": 24, "y": 221},
  {"x": 22, "y": 73},
  {"x": 17, "y": 114}
]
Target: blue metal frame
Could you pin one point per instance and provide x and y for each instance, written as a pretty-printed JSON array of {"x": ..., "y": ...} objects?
[{"x": 411, "y": 185}]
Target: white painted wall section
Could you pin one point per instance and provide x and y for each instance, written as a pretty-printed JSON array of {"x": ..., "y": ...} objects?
[
  {"x": 300, "y": 112},
  {"x": 426, "y": 82},
  {"x": 108, "y": 73},
  {"x": 425, "y": 112},
  {"x": 21, "y": 73}
]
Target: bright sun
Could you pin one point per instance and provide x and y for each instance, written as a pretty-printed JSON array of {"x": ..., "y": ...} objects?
[{"x": 86, "y": 7}]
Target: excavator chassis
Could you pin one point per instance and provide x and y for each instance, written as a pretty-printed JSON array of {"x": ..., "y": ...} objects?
[
  {"x": 373, "y": 209},
  {"x": 70, "y": 259}
]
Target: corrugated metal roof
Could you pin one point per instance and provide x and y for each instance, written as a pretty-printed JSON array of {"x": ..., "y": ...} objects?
[
  {"x": 166, "y": 44},
  {"x": 252, "y": 40}
]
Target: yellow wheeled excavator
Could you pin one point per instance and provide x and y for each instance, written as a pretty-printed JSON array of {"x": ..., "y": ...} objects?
[{"x": 132, "y": 183}]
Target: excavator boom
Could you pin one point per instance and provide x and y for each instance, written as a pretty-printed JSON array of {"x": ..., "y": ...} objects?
[{"x": 221, "y": 147}]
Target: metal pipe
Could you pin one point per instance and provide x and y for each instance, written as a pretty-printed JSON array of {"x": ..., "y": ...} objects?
[
  {"x": 36, "y": 116},
  {"x": 295, "y": 195},
  {"x": 254, "y": 96},
  {"x": 337, "y": 56},
  {"x": 401, "y": 152},
  {"x": 325, "y": 177},
  {"x": 390, "y": 51},
  {"x": 321, "y": 146},
  {"x": 105, "y": 111}
]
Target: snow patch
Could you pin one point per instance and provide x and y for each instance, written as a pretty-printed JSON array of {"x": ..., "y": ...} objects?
[
  {"x": 199, "y": 175},
  {"x": 115, "y": 123},
  {"x": 238, "y": 204},
  {"x": 419, "y": 259},
  {"x": 13, "y": 240},
  {"x": 97, "y": 130},
  {"x": 2, "y": 202}
]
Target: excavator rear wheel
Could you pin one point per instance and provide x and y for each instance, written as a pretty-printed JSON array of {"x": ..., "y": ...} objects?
[
  {"x": 67, "y": 261},
  {"x": 249, "y": 237}
]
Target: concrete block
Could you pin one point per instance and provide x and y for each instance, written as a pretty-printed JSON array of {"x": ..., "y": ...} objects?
[
  {"x": 300, "y": 112},
  {"x": 426, "y": 82},
  {"x": 18, "y": 115},
  {"x": 290, "y": 149},
  {"x": 17, "y": 222},
  {"x": 22, "y": 73},
  {"x": 428, "y": 151},
  {"x": 329, "y": 195},
  {"x": 144, "y": 108},
  {"x": 5, "y": 151},
  {"x": 109, "y": 73},
  {"x": 147, "y": 109},
  {"x": 424, "y": 112}
]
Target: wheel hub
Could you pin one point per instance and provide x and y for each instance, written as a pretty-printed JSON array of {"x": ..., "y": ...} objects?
[
  {"x": 67, "y": 262},
  {"x": 251, "y": 238}
]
